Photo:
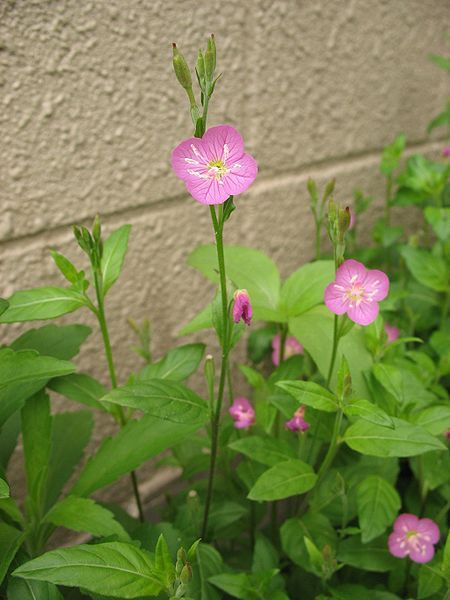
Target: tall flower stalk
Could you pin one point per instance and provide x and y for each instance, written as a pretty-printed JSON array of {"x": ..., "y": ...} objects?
[{"x": 214, "y": 168}]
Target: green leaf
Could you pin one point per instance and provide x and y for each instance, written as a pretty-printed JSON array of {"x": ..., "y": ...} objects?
[
  {"x": 247, "y": 268},
  {"x": 59, "y": 341},
  {"x": 439, "y": 219},
  {"x": 265, "y": 556},
  {"x": 168, "y": 400},
  {"x": 10, "y": 541},
  {"x": 27, "y": 366},
  {"x": 203, "y": 320},
  {"x": 121, "y": 454},
  {"x": 373, "y": 556},
  {"x": 9, "y": 434},
  {"x": 65, "y": 266},
  {"x": 3, "y": 305},
  {"x": 435, "y": 419},
  {"x": 266, "y": 450},
  {"x": 80, "y": 388},
  {"x": 114, "y": 250},
  {"x": 113, "y": 569},
  {"x": 208, "y": 563},
  {"x": 314, "y": 330},
  {"x": 305, "y": 287},
  {"x": 41, "y": 303},
  {"x": 36, "y": 434},
  {"x": 83, "y": 514},
  {"x": 378, "y": 504},
  {"x": 4, "y": 489},
  {"x": 440, "y": 61},
  {"x": 311, "y": 394},
  {"x": 404, "y": 440},
  {"x": 224, "y": 513},
  {"x": 176, "y": 365},
  {"x": 368, "y": 411},
  {"x": 429, "y": 270},
  {"x": 429, "y": 582},
  {"x": 237, "y": 585},
  {"x": 21, "y": 589},
  {"x": 446, "y": 559},
  {"x": 432, "y": 469},
  {"x": 391, "y": 155},
  {"x": 163, "y": 562},
  {"x": 285, "y": 479},
  {"x": 254, "y": 377},
  {"x": 440, "y": 120},
  {"x": 71, "y": 432}
]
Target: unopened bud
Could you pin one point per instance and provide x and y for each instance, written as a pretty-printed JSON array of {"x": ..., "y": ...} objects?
[
  {"x": 181, "y": 68},
  {"x": 186, "y": 574},
  {"x": 179, "y": 567},
  {"x": 329, "y": 189},
  {"x": 312, "y": 190},
  {"x": 181, "y": 555},
  {"x": 210, "y": 59},
  {"x": 344, "y": 221},
  {"x": 97, "y": 229},
  {"x": 200, "y": 65},
  {"x": 331, "y": 211}
]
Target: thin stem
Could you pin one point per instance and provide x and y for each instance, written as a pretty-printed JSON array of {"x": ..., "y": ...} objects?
[
  {"x": 318, "y": 239},
  {"x": 283, "y": 336},
  {"x": 100, "y": 312},
  {"x": 332, "y": 447},
  {"x": 334, "y": 350},
  {"x": 218, "y": 233}
]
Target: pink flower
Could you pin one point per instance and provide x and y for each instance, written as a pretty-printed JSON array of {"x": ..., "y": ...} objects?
[
  {"x": 242, "y": 308},
  {"x": 242, "y": 413},
  {"x": 298, "y": 423},
  {"x": 357, "y": 291},
  {"x": 413, "y": 537},
  {"x": 215, "y": 166},
  {"x": 291, "y": 348},
  {"x": 391, "y": 332},
  {"x": 446, "y": 151}
]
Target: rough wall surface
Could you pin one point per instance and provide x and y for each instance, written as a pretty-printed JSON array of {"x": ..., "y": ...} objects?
[{"x": 91, "y": 111}]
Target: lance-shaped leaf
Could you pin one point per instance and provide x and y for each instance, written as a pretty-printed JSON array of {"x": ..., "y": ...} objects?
[
  {"x": 311, "y": 394},
  {"x": 114, "y": 569},
  {"x": 404, "y": 440},
  {"x": 27, "y": 365},
  {"x": 10, "y": 541},
  {"x": 176, "y": 365},
  {"x": 435, "y": 419},
  {"x": 41, "y": 303},
  {"x": 114, "y": 250},
  {"x": 268, "y": 451},
  {"x": 373, "y": 556},
  {"x": 135, "y": 443},
  {"x": 429, "y": 270},
  {"x": 59, "y": 341},
  {"x": 368, "y": 411},
  {"x": 4, "y": 489},
  {"x": 22, "y": 589},
  {"x": 305, "y": 287},
  {"x": 378, "y": 504},
  {"x": 81, "y": 388},
  {"x": 287, "y": 478},
  {"x": 83, "y": 514},
  {"x": 161, "y": 398}
]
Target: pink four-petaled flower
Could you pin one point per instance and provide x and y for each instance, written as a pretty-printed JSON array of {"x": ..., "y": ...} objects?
[
  {"x": 291, "y": 347},
  {"x": 413, "y": 537},
  {"x": 242, "y": 413},
  {"x": 357, "y": 291},
  {"x": 298, "y": 423},
  {"x": 215, "y": 166}
]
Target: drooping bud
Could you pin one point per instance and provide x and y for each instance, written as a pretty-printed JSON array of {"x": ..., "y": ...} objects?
[
  {"x": 242, "y": 308},
  {"x": 181, "y": 68}
]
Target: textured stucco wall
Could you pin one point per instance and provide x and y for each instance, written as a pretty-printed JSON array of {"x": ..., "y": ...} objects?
[{"x": 90, "y": 111}]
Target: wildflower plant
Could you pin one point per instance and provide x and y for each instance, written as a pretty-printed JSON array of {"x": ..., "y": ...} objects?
[{"x": 317, "y": 468}]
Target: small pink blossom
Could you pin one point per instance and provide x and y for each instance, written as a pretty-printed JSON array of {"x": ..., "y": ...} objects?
[
  {"x": 242, "y": 308},
  {"x": 392, "y": 332},
  {"x": 446, "y": 151},
  {"x": 291, "y": 347},
  {"x": 357, "y": 291},
  {"x": 242, "y": 413},
  {"x": 413, "y": 537},
  {"x": 298, "y": 423},
  {"x": 215, "y": 166}
]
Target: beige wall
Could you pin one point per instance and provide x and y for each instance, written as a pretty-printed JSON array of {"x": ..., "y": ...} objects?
[{"x": 90, "y": 111}]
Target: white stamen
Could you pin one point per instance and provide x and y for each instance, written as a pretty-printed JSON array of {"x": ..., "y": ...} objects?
[
  {"x": 226, "y": 152},
  {"x": 191, "y": 161}
]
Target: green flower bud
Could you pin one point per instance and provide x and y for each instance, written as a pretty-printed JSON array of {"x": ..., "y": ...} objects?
[
  {"x": 181, "y": 555},
  {"x": 332, "y": 212},
  {"x": 210, "y": 59},
  {"x": 344, "y": 221},
  {"x": 200, "y": 66},
  {"x": 186, "y": 574},
  {"x": 329, "y": 189},
  {"x": 97, "y": 229},
  {"x": 181, "y": 68},
  {"x": 312, "y": 190},
  {"x": 179, "y": 567}
]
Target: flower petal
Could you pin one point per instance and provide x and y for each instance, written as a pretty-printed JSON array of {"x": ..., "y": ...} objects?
[
  {"x": 397, "y": 545},
  {"x": 422, "y": 553},
  {"x": 376, "y": 283},
  {"x": 350, "y": 272},
  {"x": 223, "y": 142},
  {"x": 188, "y": 158},
  {"x": 406, "y": 522},
  {"x": 335, "y": 298},
  {"x": 363, "y": 314},
  {"x": 427, "y": 527},
  {"x": 240, "y": 176},
  {"x": 207, "y": 191}
]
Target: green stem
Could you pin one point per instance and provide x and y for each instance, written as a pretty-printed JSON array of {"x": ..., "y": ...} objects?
[
  {"x": 218, "y": 233},
  {"x": 334, "y": 350},
  {"x": 318, "y": 239},
  {"x": 332, "y": 447},
  {"x": 100, "y": 312}
]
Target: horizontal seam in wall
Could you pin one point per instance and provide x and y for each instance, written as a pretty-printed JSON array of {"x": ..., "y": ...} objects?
[{"x": 326, "y": 167}]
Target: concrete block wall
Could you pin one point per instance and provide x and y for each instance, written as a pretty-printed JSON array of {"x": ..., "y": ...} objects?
[{"x": 91, "y": 111}]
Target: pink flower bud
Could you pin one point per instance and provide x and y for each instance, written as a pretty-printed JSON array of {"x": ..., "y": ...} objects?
[
  {"x": 242, "y": 413},
  {"x": 298, "y": 423},
  {"x": 242, "y": 308},
  {"x": 391, "y": 332}
]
